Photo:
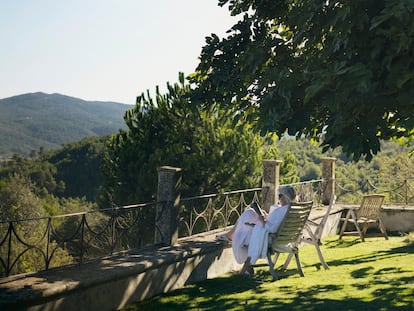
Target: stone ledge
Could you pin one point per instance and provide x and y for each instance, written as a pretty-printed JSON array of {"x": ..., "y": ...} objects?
[
  {"x": 398, "y": 218},
  {"x": 113, "y": 282}
]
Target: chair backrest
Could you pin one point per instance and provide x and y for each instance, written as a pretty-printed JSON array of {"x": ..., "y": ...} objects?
[
  {"x": 370, "y": 206},
  {"x": 293, "y": 224},
  {"x": 319, "y": 230}
]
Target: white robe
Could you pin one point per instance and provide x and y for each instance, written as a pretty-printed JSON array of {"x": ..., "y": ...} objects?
[
  {"x": 252, "y": 240},
  {"x": 242, "y": 233}
]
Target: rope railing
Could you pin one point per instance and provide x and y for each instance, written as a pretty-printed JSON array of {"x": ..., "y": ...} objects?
[{"x": 396, "y": 193}]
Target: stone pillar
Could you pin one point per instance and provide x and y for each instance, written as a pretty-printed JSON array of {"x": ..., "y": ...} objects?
[
  {"x": 328, "y": 176},
  {"x": 168, "y": 199},
  {"x": 270, "y": 183}
]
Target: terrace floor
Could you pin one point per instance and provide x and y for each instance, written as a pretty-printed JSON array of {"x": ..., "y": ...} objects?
[{"x": 374, "y": 275}]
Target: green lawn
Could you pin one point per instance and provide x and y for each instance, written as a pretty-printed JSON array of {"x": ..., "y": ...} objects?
[{"x": 374, "y": 275}]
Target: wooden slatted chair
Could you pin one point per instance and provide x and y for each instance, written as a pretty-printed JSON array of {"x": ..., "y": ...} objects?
[
  {"x": 287, "y": 238},
  {"x": 312, "y": 234},
  {"x": 367, "y": 213}
]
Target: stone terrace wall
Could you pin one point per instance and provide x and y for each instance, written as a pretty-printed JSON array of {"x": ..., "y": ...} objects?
[{"x": 113, "y": 282}]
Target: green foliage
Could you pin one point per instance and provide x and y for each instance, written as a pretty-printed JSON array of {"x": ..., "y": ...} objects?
[
  {"x": 71, "y": 171},
  {"x": 389, "y": 169},
  {"x": 312, "y": 171},
  {"x": 213, "y": 154},
  {"x": 78, "y": 167},
  {"x": 288, "y": 168},
  {"x": 19, "y": 201},
  {"x": 41, "y": 173},
  {"x": 340, "y": 72}
]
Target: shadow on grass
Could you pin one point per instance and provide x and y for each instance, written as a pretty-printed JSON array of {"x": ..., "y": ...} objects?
[
  {"x": 345, "y": 243},
  {"x": 227, "y": 294},
  {"x": 368, "y": 257},
  {"x": 384, "y": 288}
]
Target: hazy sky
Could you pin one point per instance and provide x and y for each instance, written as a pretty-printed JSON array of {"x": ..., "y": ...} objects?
[{"x": 109, "y": 50}]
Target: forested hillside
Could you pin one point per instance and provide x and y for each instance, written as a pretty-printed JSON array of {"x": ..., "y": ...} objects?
[
  {"x": 37, "y": 120},
  {"x": 388, "y": 169},
  {"x": 72, "y": 171}
]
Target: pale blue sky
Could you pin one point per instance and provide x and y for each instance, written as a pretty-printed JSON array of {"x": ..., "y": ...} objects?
[{"x": 109, "y": 50}]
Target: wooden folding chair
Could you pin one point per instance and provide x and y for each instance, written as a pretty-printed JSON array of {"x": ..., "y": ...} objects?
[
  {"x": 312, "y": 234},
  {"x": 367, "y": 213},
  {"x": 286, "y": 239}
]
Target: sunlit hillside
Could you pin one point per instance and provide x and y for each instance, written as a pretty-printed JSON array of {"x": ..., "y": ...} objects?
[{"x": 38, "y": 120}]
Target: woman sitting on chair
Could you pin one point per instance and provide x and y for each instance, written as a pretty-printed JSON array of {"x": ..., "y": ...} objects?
[{"x": 249, "y": 234}]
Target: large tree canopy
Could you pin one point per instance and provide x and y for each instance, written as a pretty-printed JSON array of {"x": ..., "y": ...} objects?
[
  {"x": 338, "y": 71},
  {"x": 214, "y": 156}
]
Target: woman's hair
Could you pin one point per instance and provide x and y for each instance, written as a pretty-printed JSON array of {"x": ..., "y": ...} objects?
[{"x": 288, "y": 191}]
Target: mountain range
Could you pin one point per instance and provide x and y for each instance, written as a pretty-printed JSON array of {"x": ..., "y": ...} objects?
[{"x": 37, "y": 120}]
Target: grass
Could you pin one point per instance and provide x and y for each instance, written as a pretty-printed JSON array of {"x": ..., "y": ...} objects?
[{"x": 377, "y": 274}]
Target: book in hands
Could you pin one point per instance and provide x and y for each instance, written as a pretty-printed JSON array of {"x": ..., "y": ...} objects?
[{"x": 257, "y": 209}]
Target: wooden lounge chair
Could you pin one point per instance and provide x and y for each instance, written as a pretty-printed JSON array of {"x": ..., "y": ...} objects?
[
  {"x": 286, "y": 240},
  {"x": 367, "y": 213},
  {"x": 312, "y": 234}
]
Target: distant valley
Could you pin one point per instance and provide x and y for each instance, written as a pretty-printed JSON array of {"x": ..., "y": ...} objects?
[{"x": 37, "y": 120}]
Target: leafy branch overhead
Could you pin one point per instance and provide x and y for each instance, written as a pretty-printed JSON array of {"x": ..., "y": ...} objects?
[{"x": 338, "y": 71}]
